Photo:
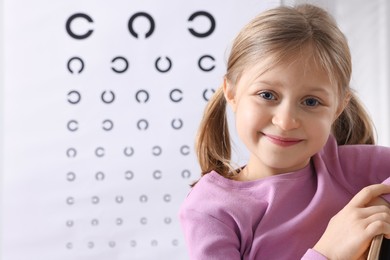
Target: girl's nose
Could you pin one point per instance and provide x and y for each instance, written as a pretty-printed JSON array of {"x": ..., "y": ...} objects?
[{"x": 285, "y": 117}]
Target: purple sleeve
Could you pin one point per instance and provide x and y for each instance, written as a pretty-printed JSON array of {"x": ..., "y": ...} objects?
[
  {"x": 311, "y": 254},
  {"x": 208, "y": 237}
]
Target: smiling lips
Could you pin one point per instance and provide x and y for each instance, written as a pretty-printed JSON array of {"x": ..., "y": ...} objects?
[{"x": 282, "y": 141}]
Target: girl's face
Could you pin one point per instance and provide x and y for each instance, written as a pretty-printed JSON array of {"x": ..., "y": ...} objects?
[{"x": 283, "y": 116}]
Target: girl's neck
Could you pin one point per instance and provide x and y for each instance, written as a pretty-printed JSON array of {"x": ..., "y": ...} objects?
[
  {"x": 253, "y": 171},
  {"x": 249, "y": 174}
]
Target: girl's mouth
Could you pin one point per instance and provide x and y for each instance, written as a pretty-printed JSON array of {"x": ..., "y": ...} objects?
[{"x": 282, "y": 141}]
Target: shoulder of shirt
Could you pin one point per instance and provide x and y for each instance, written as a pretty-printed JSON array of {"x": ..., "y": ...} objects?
[
  {"x": 332, "y": 149},
  {"x": 345, "y": 161},
  {"x": 217, "y": 191},
  {"x": 210, "y": 185},
  {"x": 214, "y": 195}
]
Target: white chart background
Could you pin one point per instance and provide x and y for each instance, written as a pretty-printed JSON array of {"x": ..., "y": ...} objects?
[
  {"x": 84, "y": 179},
  {"x": 101, "y": 203}
]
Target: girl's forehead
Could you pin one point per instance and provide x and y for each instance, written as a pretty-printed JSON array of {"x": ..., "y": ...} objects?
[{"x": 302, "y": 62}]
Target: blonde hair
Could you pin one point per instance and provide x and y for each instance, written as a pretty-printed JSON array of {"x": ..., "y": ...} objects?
[{"x": 279, "y": 33}]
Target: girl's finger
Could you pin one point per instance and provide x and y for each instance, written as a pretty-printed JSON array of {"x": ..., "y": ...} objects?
[
  {"x": 367, "y": 194},
  {"x": 380, "y": 215},
  {"x": 377, "y": 228},
  {"x": 381, "y": 210}
]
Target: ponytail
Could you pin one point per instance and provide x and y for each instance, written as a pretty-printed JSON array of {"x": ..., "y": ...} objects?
[
  {"x": 213, "y": 146},
  {"x": 354, "y": 125}
]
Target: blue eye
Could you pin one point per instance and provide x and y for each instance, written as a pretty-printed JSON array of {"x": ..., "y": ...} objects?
[
  {"x": 311, "y": 102},
  {"x": 267, "y": 95}
]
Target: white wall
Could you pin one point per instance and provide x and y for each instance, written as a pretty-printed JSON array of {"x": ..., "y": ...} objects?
[
  {"x": 1, "y": 111},
  {"x": 367, "y": 26},
  {"x": 34, "y": 112}
]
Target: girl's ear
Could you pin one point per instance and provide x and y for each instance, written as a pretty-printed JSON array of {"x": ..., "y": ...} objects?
[
  {"x": 343, "y": 105},
  {"x": 229, "y": 94}
]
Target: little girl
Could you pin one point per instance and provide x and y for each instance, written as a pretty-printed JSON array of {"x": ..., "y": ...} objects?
[{"x": 314, "y": 186}]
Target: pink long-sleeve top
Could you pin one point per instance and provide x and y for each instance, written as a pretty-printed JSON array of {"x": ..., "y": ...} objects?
[{"x": 282, "y": 216}]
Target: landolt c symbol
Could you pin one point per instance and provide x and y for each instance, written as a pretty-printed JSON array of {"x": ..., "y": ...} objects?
[
  {"x": 147, "y": 16},
  {"x": 212, "y": 24},
  {"x": 69, "y": 30}
]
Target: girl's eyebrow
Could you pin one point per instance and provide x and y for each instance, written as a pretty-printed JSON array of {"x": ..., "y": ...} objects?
[
  {"x": 271, "y": 83},
  {"x": 319, "y": 89},
  {"x": 323, "y": 90}
]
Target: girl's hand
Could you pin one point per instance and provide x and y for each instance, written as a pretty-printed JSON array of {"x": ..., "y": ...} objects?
[{"x": 350, "y": 231}]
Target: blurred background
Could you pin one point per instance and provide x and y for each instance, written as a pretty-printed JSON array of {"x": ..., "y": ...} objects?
[{"x": 100, "y": 103}]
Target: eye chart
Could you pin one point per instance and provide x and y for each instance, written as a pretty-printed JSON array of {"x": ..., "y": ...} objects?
[{"x": 101, "y": 103}]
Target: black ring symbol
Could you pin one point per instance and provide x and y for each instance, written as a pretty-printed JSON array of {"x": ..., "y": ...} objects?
[
  {"x": 172, "y": 95},
  {"x": 126, "y": 64},
  {"x": 133, "y": 243},
  {"x": 143, "y": 198},
  {"x": 185, "y": 150},
  {"x": 156, "y": 150},
  {"x": 163, "y": 70},
  {"x": 167, "y": 220},
  {"x": 186, "y": 174},
  {"x": 207, "y": 97},
  {"x": 212, "y": 24},
  {"x": 71, "y": 152},
  {"x": 167, "y": 197},
  {"x": 128, "y": 151},
  {"x": 142, "y": 124},
  {"x": 119, "y": 221},
  {"x": 69, "y": 223},
  {"x": 70, "y": 176},
  {"x": 140, "y": 93},
  {"x": 119, "y": 199},
  {"x": 72, "y": 125},
  {"x": 95, "y": 200},
  {"x": 177, "y": 124},
  {"x": 108, "y": 101},
  {"x": 99, "y": 152},
  {"x": 202, "y": 67},
  {"x": 70, "y": 20},
  {"x": 90, "y": 244},
  {"x": 99, "y": 176},
  {"x": 157, "y": 174},
  {"x": 147, "y": 16},
  {"x": 71, "y": 60},
  {"x": 129, "y": 175},
  {"x": 144, "y": 220},
  {"x": 74, "y": 97},
  {"x": 108, "y": 125},
  {"x": 70, "y": 200}
]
